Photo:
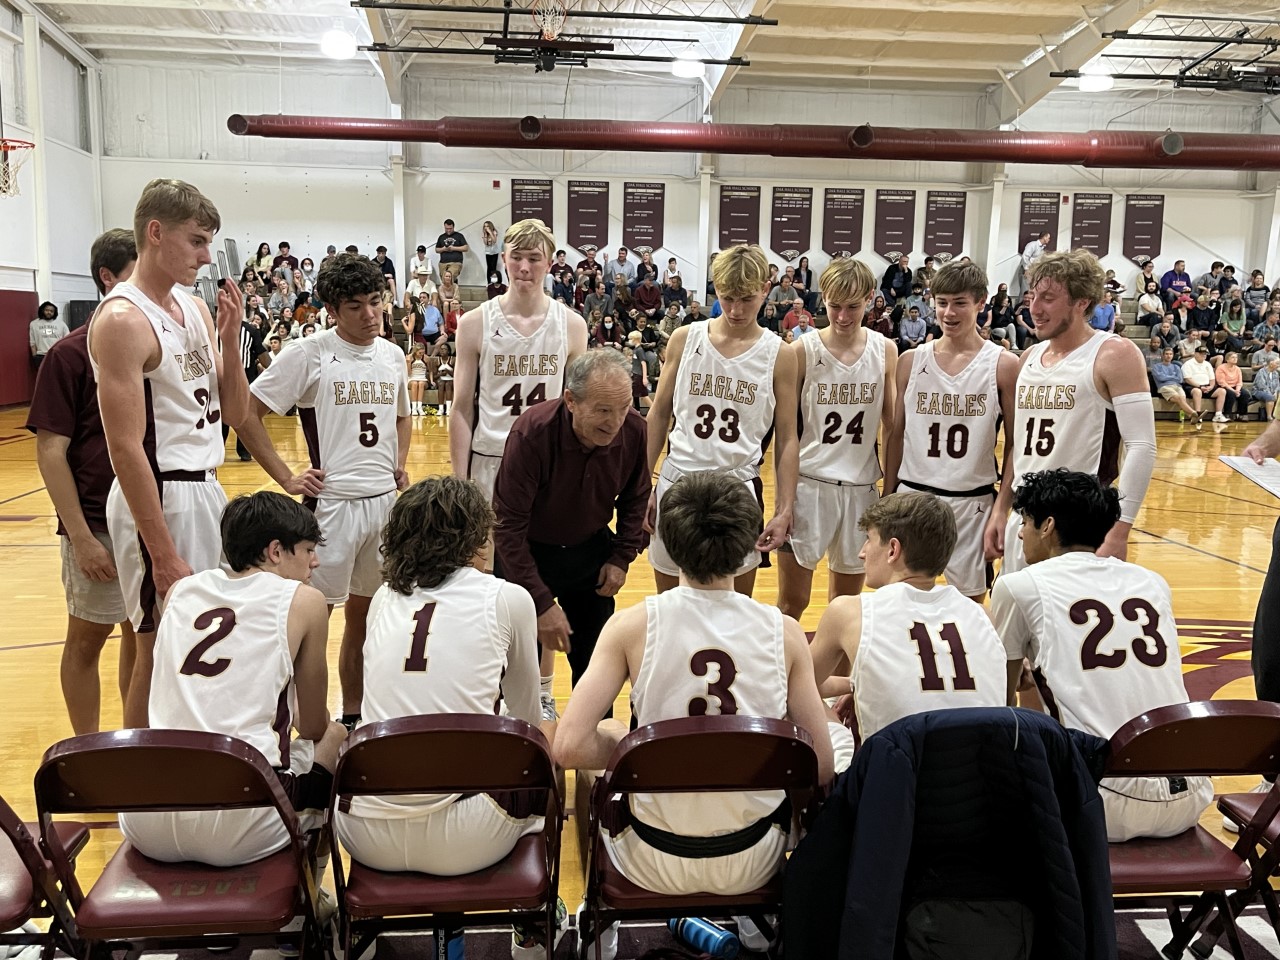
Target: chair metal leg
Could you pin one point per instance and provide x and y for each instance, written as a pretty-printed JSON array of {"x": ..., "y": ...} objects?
[
  {"x": 1229, "y": 921},
  {"x": 1185, "y": 930}
]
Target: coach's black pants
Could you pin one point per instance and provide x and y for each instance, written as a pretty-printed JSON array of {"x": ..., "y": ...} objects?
[
  {"x": 572, "y": 575},
  {"x": 1266, "y": 630}
]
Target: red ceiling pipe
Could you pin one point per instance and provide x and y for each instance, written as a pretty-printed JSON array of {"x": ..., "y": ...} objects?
[{"x": 1097, "y": 148}]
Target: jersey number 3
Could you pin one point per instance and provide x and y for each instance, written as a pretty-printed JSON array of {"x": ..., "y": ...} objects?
[
  {"x": 195, "y": 665},
  {"x": 701, "y": 663}
]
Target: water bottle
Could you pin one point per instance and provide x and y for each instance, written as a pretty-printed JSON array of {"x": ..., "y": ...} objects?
[{"x": 705, "y": 937}]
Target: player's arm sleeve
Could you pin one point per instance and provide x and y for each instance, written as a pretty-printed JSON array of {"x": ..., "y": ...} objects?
[
  {"x": 1137, "y": 426},
  {"x": 520, "y": 682},
  {"x": 290, "y": 380}
]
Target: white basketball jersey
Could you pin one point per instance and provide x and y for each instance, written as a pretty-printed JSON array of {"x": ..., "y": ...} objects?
[
  {"x": 840, "y": 413},
  {"x": 348, "y": 399},
  {"x": 949, "y": 440},
  {"x": 1102, "y": 633},
  {"x": 723, "y": 407},
  {"x": 184, "y": 418},
  {"x": 444, "y": 650},
  {"x": 923, "y": 650},
  {"x": 1061, "y": 420},
  {"x": 516, "y": 372},
  {"x": 709, "y": 653},
  {"x": 222, "y": 661}
]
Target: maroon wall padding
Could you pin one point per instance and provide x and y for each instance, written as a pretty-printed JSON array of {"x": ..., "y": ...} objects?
[{"x": 17, "y": 310}]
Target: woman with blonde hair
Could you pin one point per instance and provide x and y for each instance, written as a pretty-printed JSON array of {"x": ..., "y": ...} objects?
[{"x": 492, "y": 241}]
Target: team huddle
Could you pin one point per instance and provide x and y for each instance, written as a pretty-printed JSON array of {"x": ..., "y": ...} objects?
[{"x": 231, "y": 602}]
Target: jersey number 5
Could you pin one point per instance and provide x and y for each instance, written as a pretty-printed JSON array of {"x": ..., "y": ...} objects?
[
  {"x": 726, "y": 672},
  {"x": 195, "y": 665},
  {"x": 932, "y": 680},
  {"x": 368, "y": 430}
]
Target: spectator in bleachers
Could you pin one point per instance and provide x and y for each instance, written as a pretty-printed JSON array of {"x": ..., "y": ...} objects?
[
  {"x": 496, "y": 287},
  {"x": 1150, "y": 306},
  {"x": 1236, "y": 398},
  {"x": 619, "y": 272},
  {"x": 1104, "y": 314},
  {"x": 1025, "y": 328},
  {"x": 608, "y": 333},
  {"x": 491, "y": 239},
  {"x": 417, "y": 262},
  {"x": 1207, "y": 282},
  {"x": 670, "y": 322},
  {"x": 1187, "y": 346},
  {"x": 769, "y": 318},
  {"x": 1269, "y": 328},
  {"x": 1220, "y": 344},
  {"x": 877, "y": 318},
  {"x": 1167, "y": 376},
  {"x": 1227, "y": 280},
  {"x": 284, "y": 263},
  {"x": 1261, "y": 357},
  {"x": 1181, "y": 310},
  {"x": 797, "y": 315},
  {"x": 1004, "y": 317},
  {"x": 280, "y": 298},
  {"x": 1175, "y": 283},
  {"x": 451, "y": 245},
  {"x": 693, "y": 313},
  {"x": 805, "y": 283},
  {"x": 1033, "y": 251},
  {"x": 419, "y": 284},
  {"x": 674, "y": 291},
  {"x": 896, "y": 282},
  {"x": 329, "y": 253},
  {"x": 783, "y": 295},
  {"x": 448, "y": 289},
  {"x": 918, "y": 300},
  {"x": 387, "y": 266},
  {"x": 912, "y": 330},
  {"x": 1235, "y": 319},
  {"x": 1256, "y": 296},
  {"x": 672, "y": 270},
  {"x": 649, "y": 297},
  {"x": 261, "y": 262},
  {"x": 300, "y": 283},
  {"x": 451, "y": 318},
  {"x": 1206, "y": 314},
  {"x": 1147, "y": 275},
  {"x": 595, "y": 298},
  {"x": 588, "y": 263},
  {"x": 1115, "y": 286},
  {"x": 565, "y": 286},
  {"x": 1167, "y": 331},
  {"x": 1200, "y": 380},
  {"x": 925, "y": 274},
  {"x": 623, "y": 301},
  {"x": 1155, "y": 350},
  {"x": 649, "y": 339},
  {"x": 774, "y": 278},
  {"x": 646, "y": 268},
  {"x": 1266, "y": 388}
]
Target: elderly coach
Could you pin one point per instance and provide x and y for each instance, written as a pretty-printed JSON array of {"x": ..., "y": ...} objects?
[{"x": 568, "y": 467}]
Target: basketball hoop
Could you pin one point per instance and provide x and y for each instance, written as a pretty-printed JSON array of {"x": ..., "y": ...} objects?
[
  {"x": 13, "y": 155},
  {"x": 550, "y": 16}
]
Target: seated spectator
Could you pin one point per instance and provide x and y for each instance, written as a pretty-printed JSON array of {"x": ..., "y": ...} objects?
[
  {"x": 1115, "y": 286},
  {"x": 281, "y": 297},
  {"x": 670, "y": 322},
  {"x": 1104, "y": 314},
  {"x": 803, "y": 324},
  {"x": 1207, "y": 282},
  {"x": 1260, "y": 358},
  {"x": 1155, "y": 351},
  {"x": 774, "y": 279},
  {"x": 925, "y": 274},
  {"x": 589, "y": 263},
  {"x": 769, "y": 318},
  {"x": 1025, "y": 327},
  {"x": 1206, "y": 314},
  {"x": 674, "y": 292},
  {"x": 649, "y": 298},
  {"x": 912, "y": 330},
  {"x": 896, "y": 282},
  {"x": 564, "y": 287},
  {"x": 419, "y": 284},
  {"x": 273, "y": 342},
  {"x": 783, "y": 294},
  {"x": 623, "y": 301},
  {"x": 672, "y": 270},
  {"x": 1167, "y": 376},
  {"x": 428, "y": 317},
  {"x": 1004, "y": 317},
  {"x": 1220, "y": 344},
  {"x": 1167, "y": 331},
  {"x": 917, "y": 300},
  {"x": 707, "y": 521},
  {"x": 649, "y": 339},
  {"x": 1227, "y": 281},
  {"x": 986, "y": 333},
  {"x": 693, "y": 313},
  {"x": 595, "y": 297},
  {"x": 1181, "y": 311},
  {"x": 647, "y": 268},
  {"x": 1150, "y": 306},
  {"x": 1236, "y": 401},
  {"x": 273, "y": 659},
  {"x": 1147, "y": 276},
  {"x": 1266, "y": 388},
  {"x": 1255, "y": 297},
  {"x": 791, "y": 319},
  {"x": 805, "y": 282},
  {"x": 1201, "y": 382},
  {"x": 608, "y": 333},
  {"x": 1187, "y": 346},
  {"x": 496, "y": 287},
  {"x": 451, "y": 318},
  {"x": 1269, "y": 328},
  {"x": 878, "y": 318},
  {"x": 1040, "y": 616},
  {"x": 619, "y": 272},
  {"x": 448, "y": 290},
  {"x": 1235, "y": 318},
  {"x": 1175, "y": 283},
  {"x": 261, "y": 263}
]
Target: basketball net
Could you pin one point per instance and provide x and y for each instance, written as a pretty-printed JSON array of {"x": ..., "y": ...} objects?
[
  {"x": 550, "y": 16},
  {"x": 13, "y": 156}
]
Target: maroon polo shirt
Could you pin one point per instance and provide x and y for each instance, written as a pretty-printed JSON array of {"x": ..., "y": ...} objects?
[
  {"x": 648, "y": 298},
  {"x": 552, "y": 490},
  {"x": 66, "y": 403}
]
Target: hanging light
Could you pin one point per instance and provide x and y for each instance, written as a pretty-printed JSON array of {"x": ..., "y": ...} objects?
[
  {"x": 1096, "y": 79},
  {"x": 338, "y": 44},
  {"x": 687, "y": 66}
]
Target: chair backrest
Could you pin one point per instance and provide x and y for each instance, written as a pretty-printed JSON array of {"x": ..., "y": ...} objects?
[
  {"x": 1207, "y": 738},
  {"x": 16, "y": 832},
  {"x": 444, "y": 753},
  {"x": 131, "y": 770},
  {"x": 713, "y": 754}
]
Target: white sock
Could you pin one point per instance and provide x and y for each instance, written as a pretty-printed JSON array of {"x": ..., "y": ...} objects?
[{"x": 546, "y": 684}]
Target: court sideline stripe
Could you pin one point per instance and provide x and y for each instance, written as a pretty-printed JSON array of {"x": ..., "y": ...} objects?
[
  {"x": 1206, "y": 553},
  {"x": 20, "y": 496},
  {"x": 1214, "y": 493}
]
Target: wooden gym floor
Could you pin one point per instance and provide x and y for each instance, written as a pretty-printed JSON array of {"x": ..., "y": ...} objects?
[{"x": 1204, "y": 528}]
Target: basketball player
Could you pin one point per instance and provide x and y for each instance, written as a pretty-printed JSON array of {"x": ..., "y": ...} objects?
[
  {"x": 479, "y": 636},
  {"x": 726, "y": 382},
  {"x": 163, "y": 389},
  {"x": 71, "y": 451},
  {"x": 243, "y": 654},
  {"x": 351, "y": 389},
  {"x": 846, "y": 387},
  {"x": 1102, "y": 638},
  {"x": 699, "y": 649},
  {"x": 512, "y": 353},
  {"x": 914, "y": 646},
  {"x": 1081, "y": 394},
  {"x": 954, "y": 393}
]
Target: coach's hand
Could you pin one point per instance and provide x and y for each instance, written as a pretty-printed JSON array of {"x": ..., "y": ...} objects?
[
  {"x": 651, "y": 514},
  {"x": 775, "y": 533},
  {"x": 1265, "y": 446},
  {"x": 611, "y": 580},
  {"x": 309, "y": 483},
  {"x": 402, "y": 479},
  {"x": 554, "y": 629},
  {"x": 993, "y": 538},
  {"x": 168, "y": 571},
  {"x": 94, "y": 560}
]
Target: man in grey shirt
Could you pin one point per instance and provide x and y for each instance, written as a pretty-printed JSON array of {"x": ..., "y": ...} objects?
[
  {"x": 44, "y": 331},
  {"x": 622, "y": 266}
]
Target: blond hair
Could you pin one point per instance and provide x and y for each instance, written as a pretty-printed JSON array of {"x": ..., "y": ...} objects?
[
  {"x": 846, "y": 281},
  {"x": 172, "y": 202},
  {"x": 740, "y": 271},
  {"x": 1077, "y": 270},
  {"x": 530, "y": 235}
]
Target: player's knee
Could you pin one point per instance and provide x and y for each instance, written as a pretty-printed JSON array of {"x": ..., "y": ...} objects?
[{"x": 85, "y": 640}]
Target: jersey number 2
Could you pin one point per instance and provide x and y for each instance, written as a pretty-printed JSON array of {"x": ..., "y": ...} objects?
[
  {"x": 726, "y": 672},
  {"x": 932, "y": 680},
  {"x": 416, "y": 661},
  {"x": 195, "y": 665}
]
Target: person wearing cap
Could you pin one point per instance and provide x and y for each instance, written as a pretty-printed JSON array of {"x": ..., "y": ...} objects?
[
  {"x": 1200, "y": 381},
  {"x": 417, "y": 262},
  {"x": 420, "y": 282},
  {"x": 329, "y": 253}
]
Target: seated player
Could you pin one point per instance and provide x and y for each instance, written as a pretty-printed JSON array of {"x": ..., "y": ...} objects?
[
  {"x": 1101, "y": 635},
  {"x": 914, "y": 645},
  {"x": 243, "y": 654},
  {"x": 698, "y": 649}
]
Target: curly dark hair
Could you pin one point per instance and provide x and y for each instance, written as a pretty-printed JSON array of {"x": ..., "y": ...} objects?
[
  {"x": 436, "y": 527},
  {"x": 1083, "y": 509},
  {"x": 347, "y": 276}
]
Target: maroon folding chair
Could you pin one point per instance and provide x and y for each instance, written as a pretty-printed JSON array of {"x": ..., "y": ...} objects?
[
  {"x": 28, "y": 887},
  {"x": 693, "y": 754},
  {"x": 1212, "y": 738},
  {"x": 143, "y": 904},
  {"x": 449, "y": 753}
]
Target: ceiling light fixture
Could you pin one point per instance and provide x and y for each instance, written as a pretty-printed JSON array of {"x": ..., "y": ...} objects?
[
  {"x": 338, "y": 44},
  {"x": 687, "y": 66},
  {"x": 1096, "y": 79}
]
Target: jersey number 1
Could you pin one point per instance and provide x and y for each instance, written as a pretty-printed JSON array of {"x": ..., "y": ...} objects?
[
  {"x": 932, "y": 681},
  {"x": 416, "y": 661}
]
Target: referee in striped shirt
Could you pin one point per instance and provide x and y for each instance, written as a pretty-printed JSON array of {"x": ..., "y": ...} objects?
[{"x": 254, "y": 357}]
